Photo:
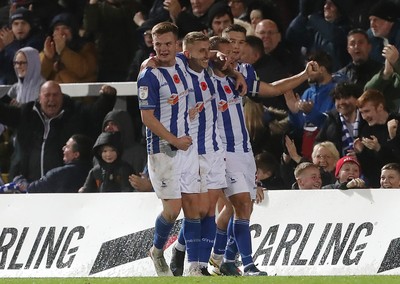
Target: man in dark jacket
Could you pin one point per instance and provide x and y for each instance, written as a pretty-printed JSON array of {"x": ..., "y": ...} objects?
[
  {"x": 343, "y": 123},
  {"x": 44, "y": 126},
  {"x": 70, "y": 177}
]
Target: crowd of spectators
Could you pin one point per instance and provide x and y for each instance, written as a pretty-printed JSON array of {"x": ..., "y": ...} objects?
[{"x": 350, "y": 109}]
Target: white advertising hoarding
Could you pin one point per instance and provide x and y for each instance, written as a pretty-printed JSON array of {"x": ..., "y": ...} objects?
[{"x": 319, "y": 232}]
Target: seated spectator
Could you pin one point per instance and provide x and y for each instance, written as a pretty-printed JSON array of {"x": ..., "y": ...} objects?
[
  {"x": 111, "y": 174},
  {"x": 133, "y": 152},
  {"x": 23, "y": 33},
  {"x": 343, "y": 123},
  {"x": 325, "y": 30},
  {"x": 347, "y": 172},
  {"x": 68, "y": 178},
  {"x": 67, "y": 57},
  {"x": 384, "y": 27},
  {"x": 110, "y": 24},
  {"x": 268, "y": 175},
  {"x": 307, "y": 176},
  {"x": 388, "y": 80},
  {"x": 378, "y": 142},
  {"x": 55, "y": 117},
  {"x": 361, "y": 69},
  {"x": 390, "y": 176}
]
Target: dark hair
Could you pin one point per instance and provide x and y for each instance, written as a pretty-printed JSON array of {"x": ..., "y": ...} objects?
[
  {"x": 215, "y": 41},
  {"x": 234, "y": 28},
  {"x": 323, "y": 59},
  {"x": 346, "y": 90},
  {"x": 267, "y": 162},
  {"x": 83, "y": 144},
  {"x": 358, "y": 31},
  {"x": 218, "y": 10},
  {"x": 255, "y": 43}
]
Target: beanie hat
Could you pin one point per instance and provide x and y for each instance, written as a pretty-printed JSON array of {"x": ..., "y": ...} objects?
[
  {"x": 343, "y": 6},
  {"x": 22, "y": 14},
  {"x": 385, "y": 10},
  {"x": 343, "y": 160},
  {"x": 66, "y": 19}
]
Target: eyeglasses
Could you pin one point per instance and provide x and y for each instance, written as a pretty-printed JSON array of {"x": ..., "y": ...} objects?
[
  {"x": 268, "y": 33},
  {"x": 20, "y": 62}
]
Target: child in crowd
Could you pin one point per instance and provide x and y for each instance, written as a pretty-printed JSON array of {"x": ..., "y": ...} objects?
[
  {"x": 348, "y": 172},
  {"x": 268, "y": 176},
  {"x": 111, "y": 174},
  {"x": 308, "y": 176},
  {"x": 390, "y": 176}
]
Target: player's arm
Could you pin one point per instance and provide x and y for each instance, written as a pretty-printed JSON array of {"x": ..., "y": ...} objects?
[
  {"x": 279, "y": 87},
  {"x": 158, "y": 129}
]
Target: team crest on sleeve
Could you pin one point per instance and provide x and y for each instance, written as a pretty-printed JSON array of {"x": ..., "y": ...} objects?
[{"x": 143, "y": 92}]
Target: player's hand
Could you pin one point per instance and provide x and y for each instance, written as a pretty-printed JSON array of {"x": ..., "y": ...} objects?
[{"x": 183, "y": 143}]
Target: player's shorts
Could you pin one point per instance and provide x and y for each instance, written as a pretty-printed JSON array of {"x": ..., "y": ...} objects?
[
  {"x": 174, "y": 172},
  {"x": 240, "y": 173},
  {"x": 212, "y": 170}
]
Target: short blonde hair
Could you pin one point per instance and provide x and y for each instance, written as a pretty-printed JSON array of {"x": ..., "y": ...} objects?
[
  {"x": 302, "y": 167},
  {"x": 328, "y": 145}
]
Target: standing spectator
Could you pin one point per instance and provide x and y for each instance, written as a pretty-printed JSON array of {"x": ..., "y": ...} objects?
[
  {"x": 390, "y": 176},
  {"x": 387, "y": 80},
  {"x": 111, "y": 174},
  {"x": 281, "y": 60},
  {"x": 347, "y": 172},
  {"x": 67, "y": 57},
  {"x": 307, "y": 114},
  {"x": 384, "y": 27},
  {"x": 27, "y": 68},
  {"x": 55, "y": 117},
  {"x": 361, "y": 69},
  {"x": 22, "y": 33},
  {"x": 342, "y": 124},
  {"x": 325, "y": 30},
  {"x": 110, "y": 24},
  {"x": 378, "y": 142},
  {"x": 219, "y": 18},
  {"x": 68, "y": 178}
]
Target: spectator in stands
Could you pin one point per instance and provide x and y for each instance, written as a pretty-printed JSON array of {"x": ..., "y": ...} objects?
[
  {"x": 347, "y": 172},
  {"x": 133, "y": 153},
  {"x": 27, "y": 68},
  {"x": 219, "y": 18},
  {"x": 324, "y": 155},
  {"x": 384, "y": 27},
  {"x": 307, "y": 176},
  {"x": 268, "y": 175},
  {"x": 111, "y": 174},
  {"x": 141, "y": 182},
  {"x": 325, "y": 30},
  {"x": 55, "y": 117},
  {"x": 23, "y": 33},
  {"x": 378, "y": 142},
  {"x": 342, "y": 124},
  {"x": 390, "y": 176},
  {"x": 361, "y": 69},
  {"x": 388, "y": 80},
  {"x": 307, "y": 114},
  {"x": 239, "y": 9},
  {"x": 67, "y": 57},
  {"x": 281, "y": 61},
  {"x": 68, "y": 178},
  {"x": 110, "y": 24}
]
